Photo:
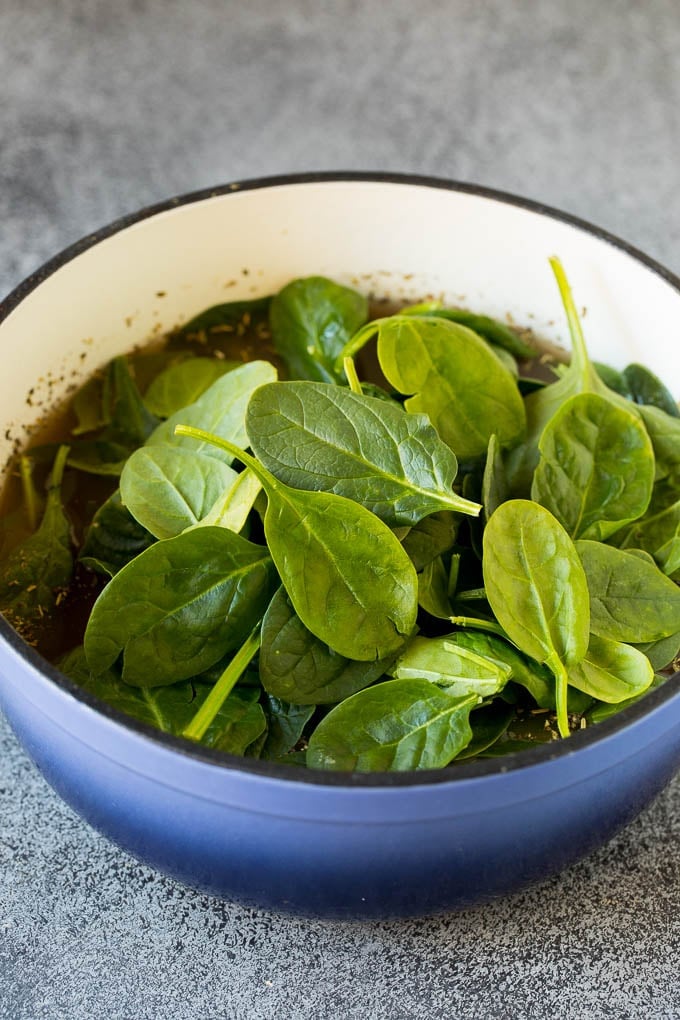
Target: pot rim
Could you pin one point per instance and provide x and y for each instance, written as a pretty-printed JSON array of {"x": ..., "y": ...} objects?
[{"x": 537, "y": 756}]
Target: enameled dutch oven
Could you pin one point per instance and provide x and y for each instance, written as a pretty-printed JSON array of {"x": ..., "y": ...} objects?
[{"x": 310, "y": 842}]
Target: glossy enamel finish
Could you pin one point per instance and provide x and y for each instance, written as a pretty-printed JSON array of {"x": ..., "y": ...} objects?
[{"x": 334, "y": 845}]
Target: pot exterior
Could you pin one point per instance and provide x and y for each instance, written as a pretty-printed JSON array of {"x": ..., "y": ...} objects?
[{"x": 330, "y": 851}]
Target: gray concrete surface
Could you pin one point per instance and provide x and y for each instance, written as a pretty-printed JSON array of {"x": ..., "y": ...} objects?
[{"x": 108, "y": 106}]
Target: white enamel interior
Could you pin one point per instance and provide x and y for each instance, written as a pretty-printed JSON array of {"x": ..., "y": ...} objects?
[{"x": 391, "y": 239}]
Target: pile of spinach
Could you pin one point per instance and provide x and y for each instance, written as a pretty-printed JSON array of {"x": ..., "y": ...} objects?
[{"x": 451, "y": 560}]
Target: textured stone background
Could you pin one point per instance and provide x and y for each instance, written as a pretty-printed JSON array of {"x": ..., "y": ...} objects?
[{"x": 106, "y": 107}]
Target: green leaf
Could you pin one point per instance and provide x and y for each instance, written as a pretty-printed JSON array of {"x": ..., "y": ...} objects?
[
  {"x": 296, "y": 667},
  {"x": 493, "y": 330},
  {"x": 531, "y": 675},
  {"x": 179, "y": 606},
  {"x": 659, "y": 535},
  {"x": 232, "y": 317},
  {"x": 182, "y": 383},
  {"x": 286, "y": 723},
  {"x": 311, "y": 320},
  {"x": 231, "y": 509},
  {"x": 36, "y": 569},
  {"x": 631, "y": 600},
  {"x": 349, "y": 579},
  {"x": 431, "y": 537},
  {"x": 456, "y": 380},
  {"x": 433, "y": 590},
  {"x": 238, "y": 724},
  {"x": 603, "y": 710},
  {"x": 537, "y": 589},
  {"x": 664, "y": 432},
  {"x": 661, "y": 653},
  {"x": 441, "y": 661},
  {"x": 596, "y": 470},
  {"x": 494, "y": 483},
  {"x": 325, "y": 438},
  {"x": 221, "y": 410},
  {"x": 488, "y": 724},
  {"x": 646, "y": 388},
  {"x": 168, "y": 489},
  {"x": 130, "y": 426},
  {"x": 392, "y": 727},
  {"x": 113, "y": 538},
  {"x": 611, "y": 671}
]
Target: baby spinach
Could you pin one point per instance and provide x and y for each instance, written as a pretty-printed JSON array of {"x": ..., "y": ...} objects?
[
  {"x": 232, "y": 507},
  {"x": 631, "y": 600},
  {"x": 39, "y": 567},
  {"x": 459, "y": 669},
  {"x": 455, "y": 380},
  {"x": 661, "y": 653},
  {"x": 493, "y": 330},
  {"x": 183, "y": 382},
  {"x": 297, "y": 667},
  {"x": 113, "y": 538},
  {"x": 285, "y": 724},
  {"x": 646, "y": 388},
  {"x": 179, "y": 606},
  {"x": 311, "y": 321},
  {"x": 659, "y": 535},
  {"x": 324, "y": 438},
  {"x": 494, "y": 483},
  {"x": 611, "y": 671},
  {"x": 220, "y": 410},
  {"x": 596, "y": 468},
  {"x": 488, "y": 724},
  {"x": 391, "y": 727},
  {"x": 130, "y": 425},
  {"x": 348, "y": 577},
  {"x": 168, "y": 489},
  {"x": 238, "y": 724},
  {"x": 537, "y": 589},
  {"x": 433, "y": 589},
  {"x": 431, "y": 537}
]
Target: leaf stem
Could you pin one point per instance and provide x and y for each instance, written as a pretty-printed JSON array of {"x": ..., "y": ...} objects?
[
  {"x": 476, "y": 624},
  {"x": 579, "y": 353},
  {"x": 561, "y": 683},
  {"x": 352, "y": 377},
  {"x": 355, "y": 343},
  {"x": 268, "y": 481},
  {"x": 30, "y": 495},
  {"x": 198, "y": 726}
]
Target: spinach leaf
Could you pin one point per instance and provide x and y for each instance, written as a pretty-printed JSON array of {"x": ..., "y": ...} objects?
[
  {"x": 325, "y": 438},
  {"x": 661, "y": 653},
  {"x": 537, "y": 589},
  {"x": 113, "y": 538},
  {"x": 579, "y": 376},
  {"x": 182, "y": 383},
  {"x": 239, "y": 722},
  {"x": 603, "y": 710},
  {"x": 535, "y": 678},
  {"x": 431, "y": 537},
  {"x": 130, "y": 426},
  {"x": 494, "y": 483},
  {"x": 611, "y": 671},
  {"x": 296, "y": 667},
  {"x": 349, "y": 579},
  {"x": 311, "y": 321},
  {"x": 664, "y": 432},
  {"x": 631, "y": 600},
  {"x": 433, "y": 589},
  {"x": 92, "y": 405},
  {"x": 596, "y": 470},
  {"x": 443, "y": 662},
  {"x": 493, "y": 330},
  {"x": 39, "y": 567},
  {"x": 488, "y": 724},
  {"x": 168, "y": 489},
  {"x": 659, "y": 535},
  {"x": 286, "y": 723},
  {"x": 221, "y": 410},
  {"x": 647, "y": 388},
  {"x": 179, "y": 607},
  {"x": 613, "y": 379},
  {"x": 391, "y": 727},
  {"x": 456, "y": 380},
  {"x": 231, "y": 509}
]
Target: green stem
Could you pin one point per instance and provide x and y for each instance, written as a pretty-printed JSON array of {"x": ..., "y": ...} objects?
[
  {"x": 561, "y": 684},
  {"x": 477, "y": 624},
  {"x": 58, "y": 467},
  {"x": 268, "y": 481},
  {"x": 352, "y": 377},
  {"x": 471, "y": 595},
  {"x": 30, "y": 495},
  {"x": 359, "y": 340},
  {"x": 198, "y": 726},
  {"x": 579, "y": 352},
  {"x": 424, "y": 308}
]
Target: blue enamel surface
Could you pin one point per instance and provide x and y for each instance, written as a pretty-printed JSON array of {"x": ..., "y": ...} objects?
[{"x": 335, "y": 850}]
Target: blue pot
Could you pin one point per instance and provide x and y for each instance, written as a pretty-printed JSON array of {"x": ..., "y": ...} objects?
[{"x": 324, "y": 844}]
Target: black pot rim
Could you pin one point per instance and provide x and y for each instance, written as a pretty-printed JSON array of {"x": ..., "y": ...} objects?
[{"x": 539, "y": 755}]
